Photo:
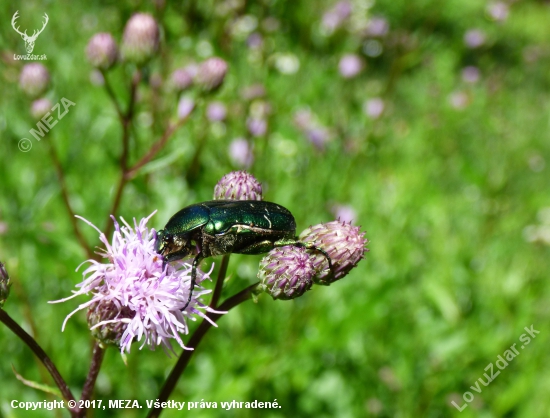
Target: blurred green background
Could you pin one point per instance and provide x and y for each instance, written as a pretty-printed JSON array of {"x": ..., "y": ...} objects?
[{"x": 438, "y": 147}]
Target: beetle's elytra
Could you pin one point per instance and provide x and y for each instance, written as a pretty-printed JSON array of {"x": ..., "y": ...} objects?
[{"x": 219, "y": 227}]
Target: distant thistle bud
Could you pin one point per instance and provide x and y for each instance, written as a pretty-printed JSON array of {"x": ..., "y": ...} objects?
[
  {"x": 216, "y": 112},
  {"x": 286, "y": 272},
  {"x": 140, "y": 40},
  {"x": 185, "y": 107},
  {"x": 5, "y": 284},
  {"x": 256, "y": 126},
  {"x": 34, "y": 79},
  {"x": 40, "y": 107},
  {"x": 181, "y": 79},
  {"x": 211, "y": 74},
  {"x": 350, "y": 65},
  {"x": 240, "y": 153},
  {"x": 344, "y": 244},
  {"x": 238, "y": 185},
  {"x": 99, "y": 315},
  {"x": 102, "y": 51}
]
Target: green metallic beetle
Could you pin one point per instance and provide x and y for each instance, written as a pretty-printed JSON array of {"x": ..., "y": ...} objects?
[{"x": 221, "y": 227}]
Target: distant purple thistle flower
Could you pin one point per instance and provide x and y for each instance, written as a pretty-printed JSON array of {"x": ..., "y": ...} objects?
[
  {"x": 470, "y": 74},
  {"x": 238, "y": 185},
  {"x": 260, "y": 109},
  {"x": 216, "y": 112},
  {"x": 286, "y": 272},
  {"x": 134, "y": 297},
  {"x": 40, "y": 107},
  {"x": 318, "y": 136},
  {"x": 256, "y": 126},
  {"x": 255, "y": 41},
  {"x": 252, "y": 92},
  {"x": 344, "y": 243},
  {"x": 141, "y": 37},
  {"x": 498, "y": 11},
  {"x": 102, "y": 50},
  {"x": 459, "y": 100},
  {"x": 374, "y": 108},
  {"x": 34, "y": 79},
  {"x": 336, "y": 16},
  {"x": 377, "y": 27},
  {"x": 181, "y": 79},
  {"x": 303, "y": 119},
  {"x": 185, "y": 107},
  {"x": 96, "y": 78},
  {"x": 240, "y": 153},
  {"x": 350, "y": 65},
  {"x": 344, "y": 213},
  {"x": 474, "y": 38}
]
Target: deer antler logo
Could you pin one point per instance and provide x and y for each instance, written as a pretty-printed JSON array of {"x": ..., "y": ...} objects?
[{"x": 29, "y": 40}]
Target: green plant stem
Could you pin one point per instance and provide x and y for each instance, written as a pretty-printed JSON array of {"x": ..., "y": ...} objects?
[
  {"x": 126, "y": 121},
  {"x": 65, "y": 194},
  {"x": 41, "y": 354},
  {"x": 194, "y": 341},
  {"x": 219, "y": 282},
  {"x": 155, "y": 148},
  {"x": 112, "y": 96},
  {"x": 193, "y": 170},
  {"x": 98, "y": 353}
]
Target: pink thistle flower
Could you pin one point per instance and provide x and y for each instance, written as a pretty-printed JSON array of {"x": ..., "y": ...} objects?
[
  {"x": 238, "y": 185},
  {"x": 286, "y": 272},
  {"x": 344, "y": 244},
  {"x": 134, "y": 297}
]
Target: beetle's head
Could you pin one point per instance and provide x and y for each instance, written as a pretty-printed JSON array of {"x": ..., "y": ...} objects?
[{"x": 173, "y": 246}]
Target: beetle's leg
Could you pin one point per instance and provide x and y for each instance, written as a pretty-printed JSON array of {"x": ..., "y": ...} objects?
[
  {"x": 196, "y": 262},
  {"x": 311, "y": 246}
]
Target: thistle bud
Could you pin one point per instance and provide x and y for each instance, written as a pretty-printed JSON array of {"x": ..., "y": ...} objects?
[
  {"x": 181, "y": 79},
  {"x": 34, "y": 79},
  {"x": 211, "y": 74},
  {"x": 40, "y": 107},
  {"x": 109, "y": 333},
  {"x": 286, "y": 272},
  {"x": 140, "y": 40},
  {"x": 344, "y": 244},
  {"x": 102, "y": 51},
  {"x": 238, "y": 185},
  {"x": 5, "y": 284}
]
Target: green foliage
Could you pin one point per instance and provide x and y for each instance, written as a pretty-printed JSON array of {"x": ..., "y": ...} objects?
[{"x": 449, "y": 182}]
